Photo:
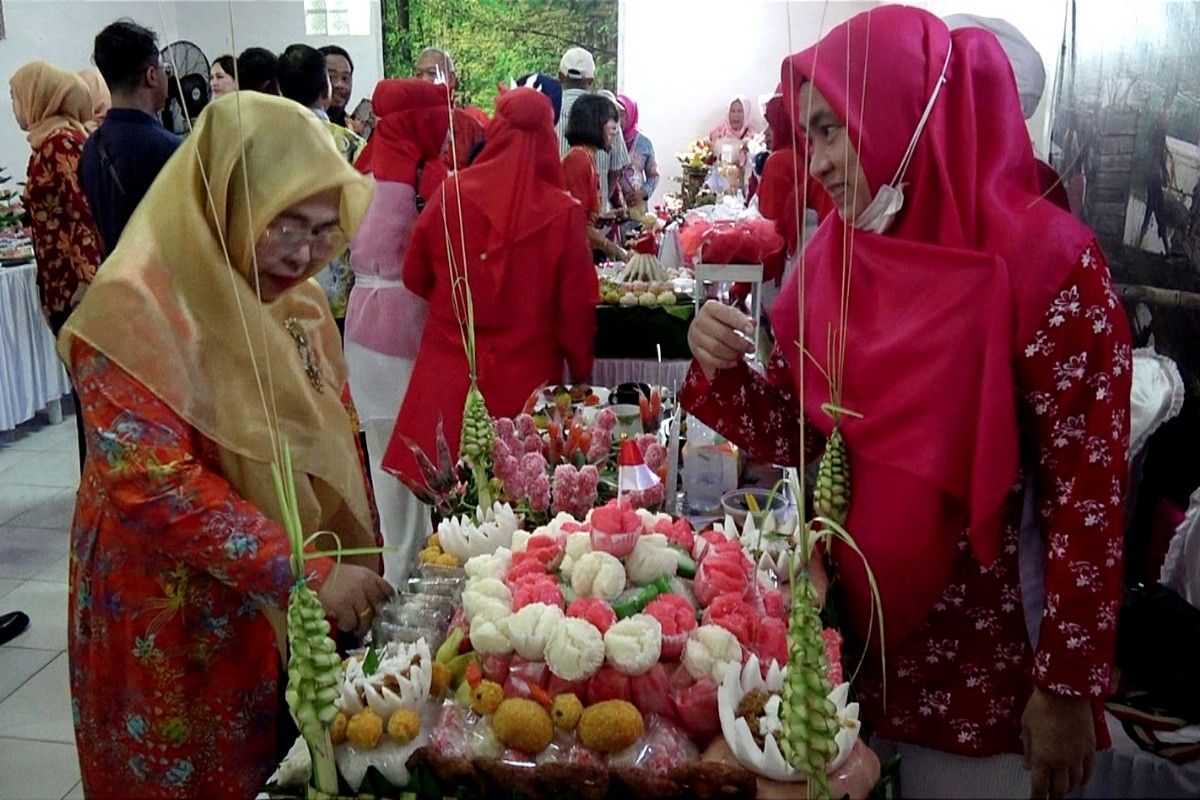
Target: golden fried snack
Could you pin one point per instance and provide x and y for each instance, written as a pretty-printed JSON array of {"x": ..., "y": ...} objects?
[
  {"x": 566, "y": 711},
  {"x": 610, "y": 726},
  {"x": 486, "y": 697},
  {"x": 337, "y": 734},
  {"x": 404, "y": 726},
  {"x": 523, "y": 725},
  {"x": 365, "y": 729},
  {"x": 441, "y": 679}
]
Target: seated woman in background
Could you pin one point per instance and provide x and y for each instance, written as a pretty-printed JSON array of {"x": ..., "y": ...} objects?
[
  {"x": 592, "y": 126},
  {"x": 221, "y": 79},
  {"x": 643, "y": 168},
  {"x": 524, "y": 247},
  {"x": 734, "y": 131},
  {"x": 180, "y": 568}
]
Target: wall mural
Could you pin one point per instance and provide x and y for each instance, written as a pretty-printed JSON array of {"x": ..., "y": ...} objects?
[
  {"x": 493, "y": 41},
  {"x": 1126, "y": 140}
]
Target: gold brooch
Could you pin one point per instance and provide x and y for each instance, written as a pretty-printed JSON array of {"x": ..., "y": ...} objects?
[{"x": 296, "y": 331}]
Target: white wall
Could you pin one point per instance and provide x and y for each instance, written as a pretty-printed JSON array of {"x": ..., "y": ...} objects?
[
  {"x": 62, "y": 31},
  {"x": 682, "y": 60}
]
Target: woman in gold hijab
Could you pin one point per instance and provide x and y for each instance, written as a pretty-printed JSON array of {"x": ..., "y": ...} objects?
[
  {"x": 53, "y": 106},
  {"x": 199, "y": 349},
  {"x": 101, "y": 96}
]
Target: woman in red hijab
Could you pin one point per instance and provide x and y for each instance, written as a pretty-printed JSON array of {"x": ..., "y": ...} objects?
[
  {"x": 989, "y": 360},
  {"x": 785, "y": 174},
  {"x": 384, "y": 320},
  {"x": 531, "y": 277}
]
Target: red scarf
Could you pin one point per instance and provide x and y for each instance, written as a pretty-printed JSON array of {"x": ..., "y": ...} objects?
[
  {"x": 939, "y": 306},
  {"x": 516, "y": 182},
  {"x": 785, "y": 174},
  {"x": 414, "y": 116}
]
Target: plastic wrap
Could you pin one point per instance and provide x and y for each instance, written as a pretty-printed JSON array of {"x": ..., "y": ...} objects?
[
  {"x": 461, "y": 733},
  {"x": 663, "y": 747},
  {"x": 449, "y": 584}
]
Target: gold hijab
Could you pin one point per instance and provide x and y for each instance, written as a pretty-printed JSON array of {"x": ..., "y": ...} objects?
[
  {"x": 101, "y": 97},
  {"x": 166, "y": 308},
  {"x": 46, "y": 98}
]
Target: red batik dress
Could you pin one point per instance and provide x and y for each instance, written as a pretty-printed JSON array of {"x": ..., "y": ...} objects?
[
  {"x": 65, "y": 241},
  {"x": 961, "y": 681},
  {"x": 175, "y": 674}
]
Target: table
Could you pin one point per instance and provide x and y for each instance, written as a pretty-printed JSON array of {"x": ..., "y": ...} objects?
[
  {"x": 31, "y": 376},
  {"x": 628, "y": 341}
]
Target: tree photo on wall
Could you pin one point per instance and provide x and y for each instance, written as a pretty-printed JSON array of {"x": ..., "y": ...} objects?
[{"x": 494, "y": 41}]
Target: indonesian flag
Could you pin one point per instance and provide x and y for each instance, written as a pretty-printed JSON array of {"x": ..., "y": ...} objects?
[{"x": 632, "y": 473}]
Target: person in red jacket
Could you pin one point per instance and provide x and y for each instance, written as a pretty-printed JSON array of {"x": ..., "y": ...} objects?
[
  {"x": 987, "y": 365},
  {"x": 507, "y": 221}
]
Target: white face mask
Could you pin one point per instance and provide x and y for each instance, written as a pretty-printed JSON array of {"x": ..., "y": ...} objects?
[{"x": 886, "y": 204}]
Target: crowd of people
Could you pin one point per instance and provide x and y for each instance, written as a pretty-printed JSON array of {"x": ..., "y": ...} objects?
[
  {"x": 175, "y": 453},
  {"x": 175, "y": 271}
]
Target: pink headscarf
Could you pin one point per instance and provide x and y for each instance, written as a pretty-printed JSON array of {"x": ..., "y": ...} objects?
[
  {"x": 726, "y": 131},
  {"x": 629, "y": 128},
  {"x": 940, "y": 304}
]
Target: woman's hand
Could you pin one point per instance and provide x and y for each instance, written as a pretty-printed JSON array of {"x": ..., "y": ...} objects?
[
  {"x": 351, "y": 595},
  {"x": 1060, "y": 743},
  {"x": 719, "y": 337}
]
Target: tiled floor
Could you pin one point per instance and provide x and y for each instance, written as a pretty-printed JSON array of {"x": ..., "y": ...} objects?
[{"x": 39, "y": 471}]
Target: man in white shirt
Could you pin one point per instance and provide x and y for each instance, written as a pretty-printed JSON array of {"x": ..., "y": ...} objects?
[{"x": 577, "y": 74}]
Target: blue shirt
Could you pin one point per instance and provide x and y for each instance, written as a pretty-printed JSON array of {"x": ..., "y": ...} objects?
[{"x": 119, "y": 162}]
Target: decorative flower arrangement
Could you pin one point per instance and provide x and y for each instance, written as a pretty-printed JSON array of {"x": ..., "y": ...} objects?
[
  {"x": 559, "y": 469},
  {"x": 565, "y": 466},
  {"x": 697, "y": 155}
]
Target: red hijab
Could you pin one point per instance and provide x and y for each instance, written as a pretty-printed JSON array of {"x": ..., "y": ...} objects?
[
  {"x": 516, "y": 182},
  {"x": 785, "y": 174},
  {"x": 784, "y": 134},
  {"x": 940, "y": 304},
  {"x": 414, "y": 116}
]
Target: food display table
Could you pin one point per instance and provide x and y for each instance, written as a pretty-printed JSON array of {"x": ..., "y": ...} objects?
[{"x": 31, "y": 376}]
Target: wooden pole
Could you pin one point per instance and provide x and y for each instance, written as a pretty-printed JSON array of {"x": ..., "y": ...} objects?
[{"x": 1165, "y": 298}]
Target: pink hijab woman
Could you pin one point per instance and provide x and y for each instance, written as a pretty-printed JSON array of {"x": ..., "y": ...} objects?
[
  {"x": 629, "y": 125},
  {"x": 985, "y": 354},
  {"x": 948, "y": 296},
  {"x": 736, "y": 124},
  {"x": 734, "y": 131}
]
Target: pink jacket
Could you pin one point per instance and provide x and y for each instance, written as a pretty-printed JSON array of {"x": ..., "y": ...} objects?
[{"x": 383, "y": 315}]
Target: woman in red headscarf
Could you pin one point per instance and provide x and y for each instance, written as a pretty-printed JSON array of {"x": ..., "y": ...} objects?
[
  {"x": 384, "y": 320},
  {"x": 785, "y": 175},
  {"x": 507, "y": 221},
  {"x": 987, "y": 362}
]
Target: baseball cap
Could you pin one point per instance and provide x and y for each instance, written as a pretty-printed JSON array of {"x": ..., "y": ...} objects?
[{"x": 577, "y": 63}]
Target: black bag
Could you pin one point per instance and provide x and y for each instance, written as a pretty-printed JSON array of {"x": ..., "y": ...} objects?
[{"x": 1158, "y": 649}]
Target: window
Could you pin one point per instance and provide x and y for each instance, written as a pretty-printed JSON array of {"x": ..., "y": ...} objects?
[{"x": 337, "y": 17}]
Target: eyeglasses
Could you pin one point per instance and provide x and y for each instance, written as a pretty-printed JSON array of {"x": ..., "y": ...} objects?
[{"x": 324, "y": 242}]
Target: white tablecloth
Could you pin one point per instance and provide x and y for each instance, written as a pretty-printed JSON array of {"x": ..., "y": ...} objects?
[
  {"x": 611, "y": 371},
  {"x": 31, "y": 376}
]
